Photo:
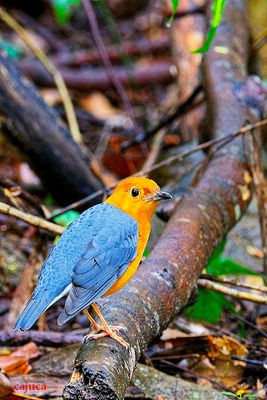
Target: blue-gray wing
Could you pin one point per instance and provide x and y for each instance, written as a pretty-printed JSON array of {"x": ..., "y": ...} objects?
[{"x": 105, "y": 260}]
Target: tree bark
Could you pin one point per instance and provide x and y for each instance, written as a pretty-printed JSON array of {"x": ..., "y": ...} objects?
[
  {"x": 164, "y": 282},
  {"x": 115, "y": 53},
  {"x": 43, "y": 338},
  {"x": 90, "y": 78},
  {"x": 37, "y": 131}
]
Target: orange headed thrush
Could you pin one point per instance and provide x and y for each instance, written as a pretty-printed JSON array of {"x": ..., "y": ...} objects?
[{"x": 96, "y": 256}]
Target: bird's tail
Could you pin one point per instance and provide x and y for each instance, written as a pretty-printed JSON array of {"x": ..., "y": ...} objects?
[
  {"x": 37, "y": 305},
  {"x": 30, "y": 314}
]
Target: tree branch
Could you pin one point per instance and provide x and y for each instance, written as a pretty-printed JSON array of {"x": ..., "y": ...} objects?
[
  {"x": 31, "y": 219},
  {"x": 40, "y": 135},
  {"x": 237, "y": 294}
]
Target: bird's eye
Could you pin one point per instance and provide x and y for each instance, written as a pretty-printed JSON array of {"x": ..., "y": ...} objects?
[{"x": 135, "y": 192}]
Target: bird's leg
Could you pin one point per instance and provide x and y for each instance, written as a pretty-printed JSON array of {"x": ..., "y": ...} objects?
[
  {"x": 108, "y": 330},
  {"x": 96, "y": 327}
]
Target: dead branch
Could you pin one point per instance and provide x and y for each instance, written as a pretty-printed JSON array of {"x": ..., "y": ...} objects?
[
  {"x": 36, "y": 129},
  {"x": 31, "y": 219},
  {"x": 18, "y": 192},
  {"x": 97, "y": 78},
  {"x": 141, "y": 47},
  {"x": 237, "y": 294},
  {"x": 164, "y": 282},
  {"x": 231, "y": 282},
  {"x": 44, "y": 338}
]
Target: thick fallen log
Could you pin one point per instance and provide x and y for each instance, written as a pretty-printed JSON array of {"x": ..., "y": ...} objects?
[
  {"x": 164, "y": 282},
  {"x": 97, "y": 78},
  {"x": 40, "y": 135},
  {"x": 149, "y": 381}
]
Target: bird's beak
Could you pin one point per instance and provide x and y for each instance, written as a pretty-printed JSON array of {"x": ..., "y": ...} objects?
[{"x": 160, "y": 196}]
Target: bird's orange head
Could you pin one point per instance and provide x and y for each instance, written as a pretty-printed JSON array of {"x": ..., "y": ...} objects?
[{"x": 138, "y": 197}]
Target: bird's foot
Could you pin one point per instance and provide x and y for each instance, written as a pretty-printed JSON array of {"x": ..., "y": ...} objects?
[
  {"x": 96, "y": 329},
  {"x": 111, "y": 331}
]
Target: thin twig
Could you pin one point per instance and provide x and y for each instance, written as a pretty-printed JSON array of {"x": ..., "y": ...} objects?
[
  {"x": 205, "y": 145},
  {"x": 249, "y": 361},
  {"x": 249, "y": 323},
  {"x": 178, "y": 157},
  {"x": 105, "y": 58},
  {"x": 51, "y": 68},
  {"x": 31, "y": 219},
  {"x": 6, "y": 183},
  {"x": 261, "y": 299},
  {"x": 189, "y": 104},
  {"x": 234, "y": 283},
  {"x": 155, "y": 149}
]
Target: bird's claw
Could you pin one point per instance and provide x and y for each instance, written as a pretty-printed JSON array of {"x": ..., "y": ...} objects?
[
  {"x": 111, "y": 331},
  {"x": 117, "y": 328}
]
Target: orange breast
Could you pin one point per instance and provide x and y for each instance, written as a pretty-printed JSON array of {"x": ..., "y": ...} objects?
[{"x": 128, "y": 274}]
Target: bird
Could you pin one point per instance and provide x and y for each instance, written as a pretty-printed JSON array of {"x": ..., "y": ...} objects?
[{"x": 97, "y": 254}]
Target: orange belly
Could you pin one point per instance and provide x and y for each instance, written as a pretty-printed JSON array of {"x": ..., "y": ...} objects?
[{"x": 128, "y": 274}]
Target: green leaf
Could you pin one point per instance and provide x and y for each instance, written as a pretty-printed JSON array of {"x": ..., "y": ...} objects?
[
  {"x": 175, "y": 4},
  {"x": 67, "y": 218},
  {"x": 12, "y": 50},
  {"x": 217, "y": 10},
  {"x": 218, "y": 251},
  {"x": 209, "y": 306},
  {"x": 63, "y": 9},
  {"x": 230, "y": 394},
  {"x": 227, "y": 266},
  {"x": 49, "y": 201},
  {"x": 146, "y": 253}
]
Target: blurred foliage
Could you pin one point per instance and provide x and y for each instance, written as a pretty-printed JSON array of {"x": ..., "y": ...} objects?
[
  {"x": 12, "y": 50},
  {"x": 63, "y": 9},
  {"x": 175, "y": 4},
  {"x": 217, "y": 11},
  {"x": 257, "y": 14},
  {"x": 67, "y": 218},
  {"x": 240, "y": 394},
  {"x": 218, "y": 265},
  {"x": 210, "y": 305}
]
